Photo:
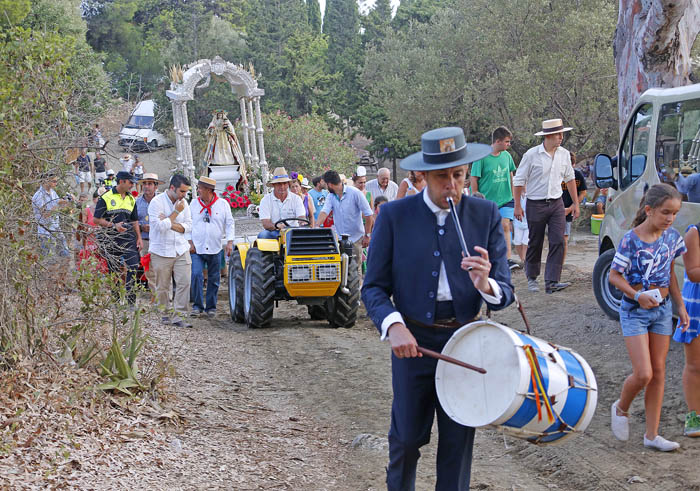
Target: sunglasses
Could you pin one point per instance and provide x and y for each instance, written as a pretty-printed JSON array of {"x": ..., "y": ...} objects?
[{"x": 207, "y": 219}]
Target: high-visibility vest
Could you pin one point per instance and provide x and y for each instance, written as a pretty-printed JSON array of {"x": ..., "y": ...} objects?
[{"x": 116, "y": 204}]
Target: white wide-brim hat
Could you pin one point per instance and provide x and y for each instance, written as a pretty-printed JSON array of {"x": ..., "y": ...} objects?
[{"x": 552, "y": 126}]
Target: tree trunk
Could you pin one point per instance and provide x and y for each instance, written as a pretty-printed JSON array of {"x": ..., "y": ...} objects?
[{"x": 652, "y": 46}]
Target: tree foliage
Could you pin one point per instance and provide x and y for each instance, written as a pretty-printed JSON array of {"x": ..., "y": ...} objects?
[
  {"x": 468, "y": 67},
  {"x": 305, "y": 144}
]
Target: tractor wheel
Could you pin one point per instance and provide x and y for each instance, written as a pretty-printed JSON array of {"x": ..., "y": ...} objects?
[
  {"x": 317, "y": 312},
  {"x": 236, "y": 280},
  {"x": 259, "y": 289},
  {"x": 342, "y": 307}
]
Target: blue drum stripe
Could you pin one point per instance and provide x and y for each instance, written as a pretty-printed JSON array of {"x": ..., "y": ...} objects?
[
  {"x": 576, "y": 399},
  {"x": 528, "y": 409}
]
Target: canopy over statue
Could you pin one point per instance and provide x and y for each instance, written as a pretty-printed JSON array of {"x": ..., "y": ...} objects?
[
  {"x": 244, "y": 87},
  {"x": 223, "y": 147}
]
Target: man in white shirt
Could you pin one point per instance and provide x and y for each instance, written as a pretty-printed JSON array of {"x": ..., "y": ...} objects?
[
  {"x": 279, "y": 204},
  {"x": 45, "y": 203},
  {"x": 542, "y": 169},
  {"x": 383, "y": 185},
  {"x": 211, "y": 221},
  {"x": 170, "y": 220}
]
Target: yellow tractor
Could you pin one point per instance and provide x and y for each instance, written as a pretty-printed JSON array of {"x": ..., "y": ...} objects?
[{"x": 305, "y": 264}]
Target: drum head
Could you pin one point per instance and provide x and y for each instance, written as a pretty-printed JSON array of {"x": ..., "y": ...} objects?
[{"x": 474, "y": 399}]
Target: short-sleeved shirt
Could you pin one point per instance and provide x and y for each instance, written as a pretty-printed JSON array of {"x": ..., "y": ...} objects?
[
  {"x": 274, "y": 209},
  {"x": 648, "y": 263},
  {"x": 142, "y": 210},
  {"x": 494, "y": 177},
  {"x": 122, "y": 210},
  {"x": 44, "y": 201},
  {"x": 319, "y": 198},
  {"x": 690, "y": 186},
  {"x": 99, "y": 165},
  {"x": 83, "y": 163},
  {"x": 348, "y": 212},
  {"x": 566, "y": 197}
]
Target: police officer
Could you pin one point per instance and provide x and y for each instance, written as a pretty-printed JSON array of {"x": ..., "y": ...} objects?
[{"x": 120, "y": 242}]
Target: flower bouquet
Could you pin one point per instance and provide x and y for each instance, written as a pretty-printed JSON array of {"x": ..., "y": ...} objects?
[{"x": 237, "y": 199}]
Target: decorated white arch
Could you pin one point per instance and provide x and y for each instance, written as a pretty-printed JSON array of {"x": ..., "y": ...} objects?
[{"x": 183, "y": 82}]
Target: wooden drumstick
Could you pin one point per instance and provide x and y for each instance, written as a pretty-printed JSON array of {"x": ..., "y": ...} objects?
[{"x": 449, "y": 359}]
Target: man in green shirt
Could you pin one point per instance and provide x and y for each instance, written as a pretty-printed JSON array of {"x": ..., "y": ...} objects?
[{"x": 492, "y": 176}]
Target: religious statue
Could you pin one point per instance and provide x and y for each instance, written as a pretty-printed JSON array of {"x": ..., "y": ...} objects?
[{"x": 223, "y": 147}]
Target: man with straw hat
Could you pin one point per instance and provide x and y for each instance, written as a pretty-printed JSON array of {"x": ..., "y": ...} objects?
[
  {"x": 279, "y": 204},
  {"x": 542, "y": 170},
  {"x": 419, "y": 289},
  {"x": 211, "y": 220},
  {"x": 149, "y": 185}
]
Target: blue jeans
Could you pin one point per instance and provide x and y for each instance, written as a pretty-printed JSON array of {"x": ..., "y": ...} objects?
[
  {"x": 269, "y": 234},
  {"x": 213, "y": 262}
]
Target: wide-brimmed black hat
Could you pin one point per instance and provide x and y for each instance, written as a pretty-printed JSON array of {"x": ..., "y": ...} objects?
[{"x": 444, "y": 148}]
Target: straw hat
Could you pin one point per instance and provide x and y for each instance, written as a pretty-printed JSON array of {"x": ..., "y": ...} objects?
[
  {"x": 305, "y": 184},
  {"x": 151, "y": 176},
  {"x": 279, "y": 175},
  {"x": 207, "y": 182},
  {"x": 551, "y": 127}
]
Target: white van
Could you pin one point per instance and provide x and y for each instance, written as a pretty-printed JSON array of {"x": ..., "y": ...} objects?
[
  {"x": 138, "y": 133},
  {"x": 661, "y": 143}
]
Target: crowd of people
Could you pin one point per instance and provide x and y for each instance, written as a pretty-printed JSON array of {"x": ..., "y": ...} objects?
[{"x": 420, "y": 286}]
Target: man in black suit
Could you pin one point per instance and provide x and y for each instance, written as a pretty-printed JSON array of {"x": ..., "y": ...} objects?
[{"x": 415, "y": 259}]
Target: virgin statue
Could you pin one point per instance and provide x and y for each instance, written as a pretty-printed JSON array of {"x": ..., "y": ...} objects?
[{"x": 223, "y": 147}]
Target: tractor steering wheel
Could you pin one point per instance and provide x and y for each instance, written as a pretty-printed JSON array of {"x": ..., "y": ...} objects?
[{"x": 285, "y": 220}]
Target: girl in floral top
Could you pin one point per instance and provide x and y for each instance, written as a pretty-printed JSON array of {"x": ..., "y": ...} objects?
[{"x": 644, "y": 262}]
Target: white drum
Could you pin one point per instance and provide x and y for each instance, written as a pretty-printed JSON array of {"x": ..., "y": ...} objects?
[{"x": 505, "y": 396}]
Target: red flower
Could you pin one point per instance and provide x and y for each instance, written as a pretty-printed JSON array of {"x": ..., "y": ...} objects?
[
  {"x": 135, "y": 193},
  {"x": 234, "y": 205},
  {"x": 229, "y": 188},
  {"x": 240, "y": 201}
]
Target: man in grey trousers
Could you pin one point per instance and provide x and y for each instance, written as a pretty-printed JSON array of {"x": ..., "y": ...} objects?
[{"x": 542, "y": 170}]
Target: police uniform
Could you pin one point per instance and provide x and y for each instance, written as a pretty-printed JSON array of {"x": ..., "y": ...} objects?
[{"x": 119, "y": 247}]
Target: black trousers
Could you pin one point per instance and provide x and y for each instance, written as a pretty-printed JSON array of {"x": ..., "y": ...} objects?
[
  {"x": 118, "y": 253},
  {"x": 549, "y": 217},
  {"x": 413, "y": 409}
]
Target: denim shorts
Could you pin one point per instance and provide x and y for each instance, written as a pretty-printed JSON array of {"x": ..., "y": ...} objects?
[{"x": 636, "y": 321}]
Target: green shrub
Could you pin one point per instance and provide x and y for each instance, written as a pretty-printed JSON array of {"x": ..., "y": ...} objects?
[{"x": 305, "y": 145}]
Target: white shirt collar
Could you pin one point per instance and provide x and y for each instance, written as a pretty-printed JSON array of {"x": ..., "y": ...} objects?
[{"x": 432, "y": 206}]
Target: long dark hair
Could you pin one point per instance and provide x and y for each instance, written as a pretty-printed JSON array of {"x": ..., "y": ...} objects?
[{"x": 655, "y": 197}]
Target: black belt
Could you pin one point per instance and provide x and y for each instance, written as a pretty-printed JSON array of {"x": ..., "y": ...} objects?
[
  {"x": 545, "y": 200},
  {"x": 452, "y": 323}
]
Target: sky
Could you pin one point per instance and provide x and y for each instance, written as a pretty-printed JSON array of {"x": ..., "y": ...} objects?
[{"x": 364, "y": 5}]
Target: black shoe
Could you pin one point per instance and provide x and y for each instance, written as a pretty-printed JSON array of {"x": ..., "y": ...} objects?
[
  {"x": 512, "y": 264},
  {"x": 555, "y": 287}
]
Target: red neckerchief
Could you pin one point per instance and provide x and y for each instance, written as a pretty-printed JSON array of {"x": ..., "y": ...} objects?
[{"x": 207, "y": 207}]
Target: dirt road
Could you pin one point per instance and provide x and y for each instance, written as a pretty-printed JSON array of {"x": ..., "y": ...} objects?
[
  {"x": 279, "y": 408},
  {"x": 311, "y": 391}
]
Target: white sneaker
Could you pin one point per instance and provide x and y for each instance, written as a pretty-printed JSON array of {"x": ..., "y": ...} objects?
[
  {"x": 620, "y": 425},
  {"x": 661, "y": 444}
]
